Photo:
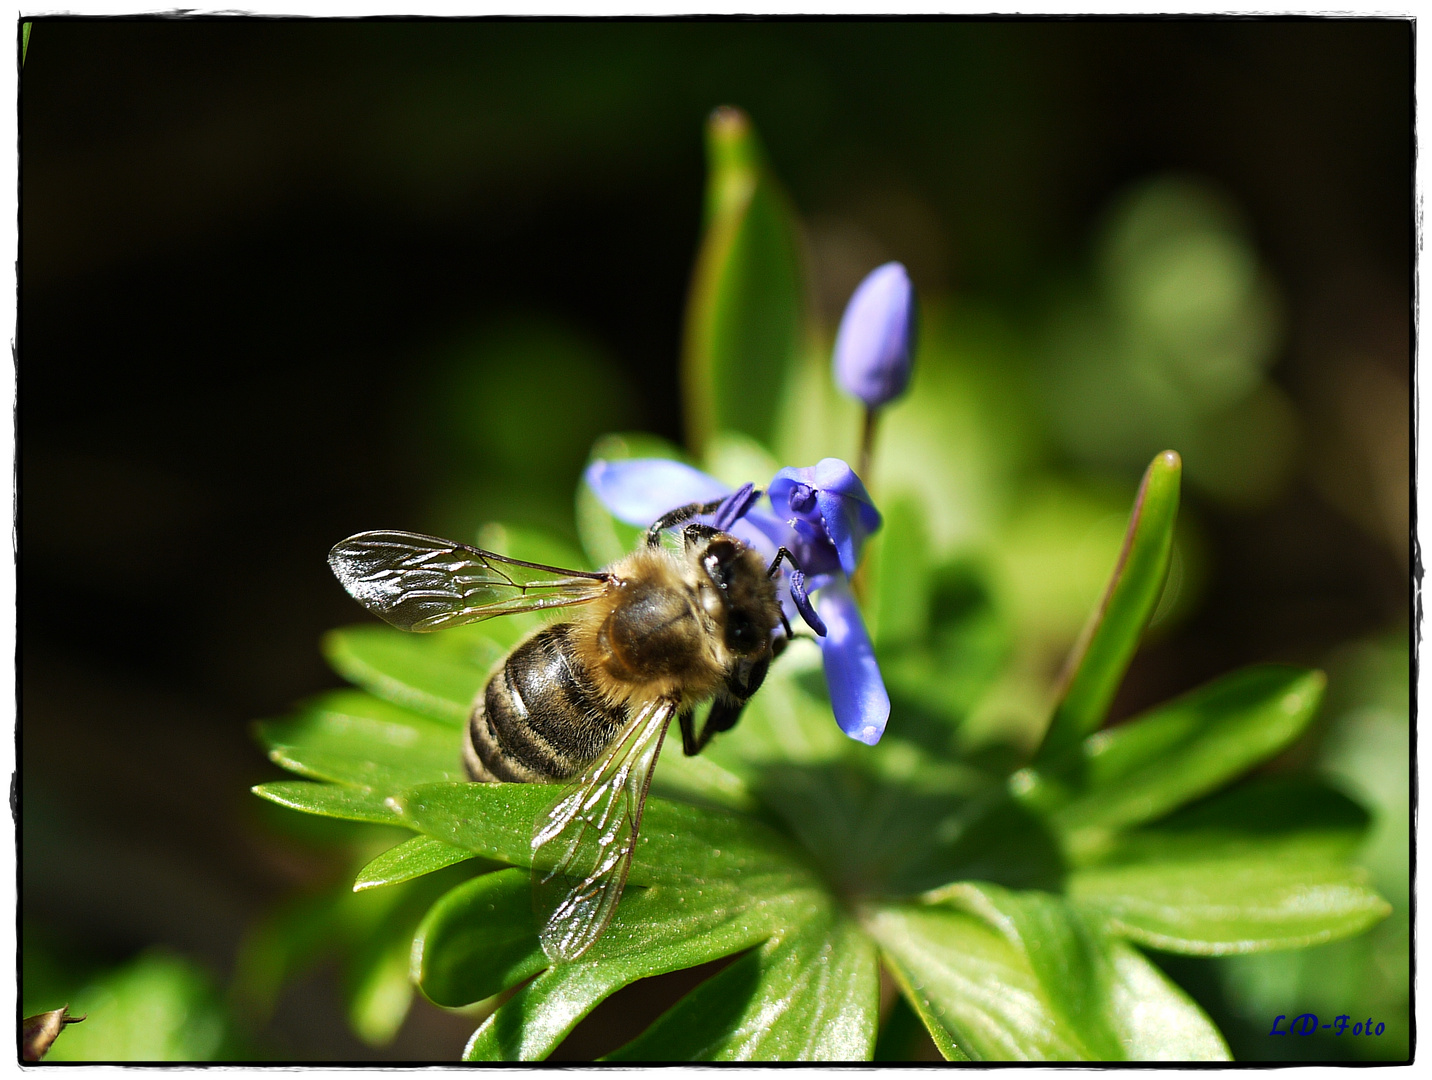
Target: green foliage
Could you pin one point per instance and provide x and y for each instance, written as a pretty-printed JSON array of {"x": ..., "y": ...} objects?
[
  {"x": 1006, "y": 875},
  {"x": 745, "y": 322},
  {"x": 158, "y": 1007}
]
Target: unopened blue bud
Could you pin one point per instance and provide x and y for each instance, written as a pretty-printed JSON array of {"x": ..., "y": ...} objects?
[{"x": 876, "y": 341}]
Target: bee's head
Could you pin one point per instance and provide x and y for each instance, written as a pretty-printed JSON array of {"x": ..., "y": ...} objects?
[{"x": 748, "y": 596}]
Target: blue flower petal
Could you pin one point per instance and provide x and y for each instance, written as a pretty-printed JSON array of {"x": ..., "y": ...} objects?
[
  {"x": 640, "y": 490},
  {"x": 857, "y": 692},
  {"x": 846, "y": 509},
  {"x": 737, "y": 504},
  {"x": 787, "y": 496}
]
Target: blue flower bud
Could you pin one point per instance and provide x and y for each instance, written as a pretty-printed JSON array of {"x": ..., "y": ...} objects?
[{"x": 876, "y": 341}]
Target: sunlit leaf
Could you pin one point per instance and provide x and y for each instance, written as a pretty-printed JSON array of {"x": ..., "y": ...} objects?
[
  {"x": 678, "y": 845},
  {"x": 810, "y": 995},
  {"x": 977, "y": 988},
  {"x": 421, "y": 672},
  {"x": 1098, "y": 662},
  {"x": 654, "y": 931},
  {"x": 1048, "y": 983},
  {"x": 744, "y": 321},
  {"x": 355, "y": 739},
  {"x": 1264, "y": 899},
  {"x": 410, "y": 859},
  {"x": 329, "y": 800},
  {"x": 1153, "y": 1019},
  {"x": 1140, "y": 770}
]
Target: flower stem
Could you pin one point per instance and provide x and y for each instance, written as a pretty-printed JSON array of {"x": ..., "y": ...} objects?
[{"x": 867, "y": 445}]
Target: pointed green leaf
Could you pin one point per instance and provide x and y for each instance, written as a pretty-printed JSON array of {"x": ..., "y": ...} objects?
[
  {"x": 1048, "y": 984},
  {"x": 745, "y": 319},
  {"x": 1268, "y": 899},
  {"x": 329, "y": 800},
  {"x": 427, "y": 673},
  {"x": 975, "y": 985},
  {"x": 654, "y": 931},
  {"x": 1068, "y": 960},
  {"x": 412, "y": 858},
  {"x": 810, "y": 995},
  {"x": 352, "y": 738},
  {"x": 25, "y": 43},
  {"x": 1140, "y": 770},
  {"x": 1155, "y": 1020},
  {"x": 478, "y": 940},
  {"x": 1097, "y": 663}
]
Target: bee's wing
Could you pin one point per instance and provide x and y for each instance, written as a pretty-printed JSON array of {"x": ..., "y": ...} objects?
[
  {"x": 422, "y": 583},
  {"x": 582, "y": 847}
]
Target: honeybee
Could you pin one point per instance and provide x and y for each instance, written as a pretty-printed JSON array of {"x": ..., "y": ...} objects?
[{"x": 587, "y": 701}]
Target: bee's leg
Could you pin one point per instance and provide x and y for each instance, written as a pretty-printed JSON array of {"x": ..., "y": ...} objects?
[
  {"x": 694, "y": 534},
  {"x": 687, "y": 719},
  {"x": 725, "y": 711},
  {"x": 782, "y": 553},
  {"x": 675, "y": 517}
]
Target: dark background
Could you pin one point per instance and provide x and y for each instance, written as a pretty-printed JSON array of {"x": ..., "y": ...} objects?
[{"x": 252, "y": 252}]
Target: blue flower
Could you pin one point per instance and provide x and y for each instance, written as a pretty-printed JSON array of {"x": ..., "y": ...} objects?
[
  {"x": 822, "y": 516},
  {"x": 876, "y": 340},
  {"x": 831, "y": 506}
]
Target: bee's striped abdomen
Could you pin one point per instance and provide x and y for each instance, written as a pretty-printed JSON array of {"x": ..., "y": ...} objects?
[{"x": 539, "y": 718}]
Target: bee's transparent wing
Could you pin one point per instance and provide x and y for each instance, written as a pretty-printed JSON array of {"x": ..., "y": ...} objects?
[
  {"x": 582, "y": 847},
  {"x": 423, "y": 583}
]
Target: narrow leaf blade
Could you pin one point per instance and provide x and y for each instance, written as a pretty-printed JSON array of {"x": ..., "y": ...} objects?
[
  {"x": 745, "y": 318},
  {"x": 1098, "y": 662},
  {"x": 329, "y": 800},
  {"x": 412, "y": 858},
  {"x": 1138, "y": 771}
]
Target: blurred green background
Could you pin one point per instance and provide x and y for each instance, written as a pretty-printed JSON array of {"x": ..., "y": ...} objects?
[{"x": 285, "y": 281}]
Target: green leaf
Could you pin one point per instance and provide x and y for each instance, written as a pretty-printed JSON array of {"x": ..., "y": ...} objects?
[
  {"x": 329, "y": 800},
  {"x": 1155, "y": 1020},
  {"x": 1271, "y": 897},
  {"x": 679, "y": 844},
  {"x": 158, "y": 1007},
  {"x": 604, "y": 538},
  {"x": 427, "y": 673},
  {"x": 478, "y": 940},
  {"x": 1138, "y": 771},
  {"x": 654, "y": 931},
  {"x": 380, "y": 993},
  {"x": 352, "y": 738},
  {"x": 1289, "y": 815},
  {"x": 1067, "y": 959},
  {"x": 745, "y": 320},
  {"x": 412, "y": 858},
  {"x": 1007, "y": 975},
  {"x": 810, "y": 995},
  {"x": 1098, "y": 661},
  {"x": 979, "y": 990}
]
